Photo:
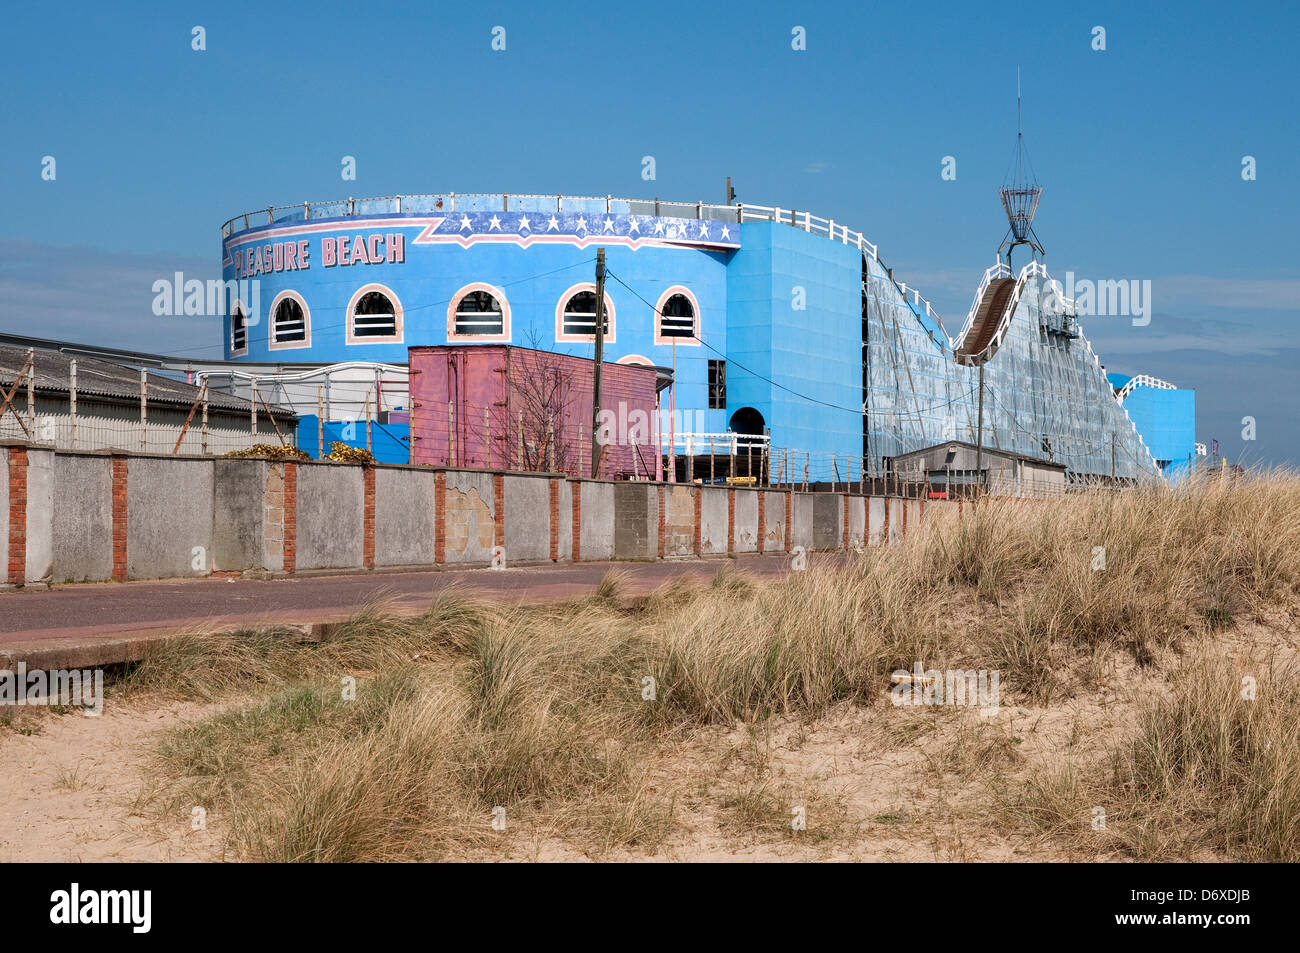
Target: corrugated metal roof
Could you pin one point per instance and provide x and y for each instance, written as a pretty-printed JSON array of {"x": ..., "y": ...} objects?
[{"x": 98, "y": 378}]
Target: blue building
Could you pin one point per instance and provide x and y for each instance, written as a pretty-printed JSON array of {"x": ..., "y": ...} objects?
[
  {"x": 1166, "y": 417},
  {"x": 775, "y": 322}
]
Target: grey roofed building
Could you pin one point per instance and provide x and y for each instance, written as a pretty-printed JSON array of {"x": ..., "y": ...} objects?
[
  {"x": 955, "y": 464},
  {"x": 108, "y": 407}
]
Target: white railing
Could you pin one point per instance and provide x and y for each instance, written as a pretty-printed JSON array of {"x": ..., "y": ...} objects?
[
  {"x": 990, "y": 275},
  {"x": 1143, "y": 380},
  {"x": 701, "y": 443}
]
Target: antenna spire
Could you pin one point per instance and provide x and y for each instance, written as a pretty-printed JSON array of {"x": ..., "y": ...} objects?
[{"x": 1020, "y": 194}]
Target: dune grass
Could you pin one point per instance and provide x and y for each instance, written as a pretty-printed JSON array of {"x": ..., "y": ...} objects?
[{"x": 566, "y": 716}]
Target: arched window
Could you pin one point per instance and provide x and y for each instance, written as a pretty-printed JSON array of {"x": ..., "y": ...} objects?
[
  {"x": 575, "y": 316},
  {"x": 290, "y": 321},
  {"x": 238, "y": 327},
  {"x": 678, "y": 317},
  {"x": 479, "y": 312},
  {"x": 375, "y": 315}
]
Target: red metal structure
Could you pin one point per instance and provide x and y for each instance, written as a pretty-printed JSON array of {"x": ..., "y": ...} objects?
[{"x": 513, "y": 408}]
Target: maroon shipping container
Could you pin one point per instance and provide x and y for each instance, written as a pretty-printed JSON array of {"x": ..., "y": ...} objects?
[{"x": 513, "y": 408}]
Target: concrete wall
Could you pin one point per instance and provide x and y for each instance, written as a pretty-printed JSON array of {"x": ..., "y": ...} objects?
[
  {"x": 192, "y": 516},
  {"x": 713, "y": 520},
  {"x": 405, "y": 517},
  {"x": 471, "y": 517},
  {"x": 528, "y": 519},
  {"x": 679, "y": 521},
  {"x": 828, "y": 521},
  {"x": 169, "y": 510},
  {"x": 747, "y": 520},
  {"x": 40, "y": 501},
  {"x": 636, "y": 520},
  {"x": 238, "y": 536},
  {"x": 564, "y": 524},
  {"x": 596, "y": 540},
  {"x": 801, "y": 519},
  {"x": 82, "y": 518},
  {"x": 329, "y": 516},
  {"x": 774, "y": 517},
  {"x": 857, "y": 521}
]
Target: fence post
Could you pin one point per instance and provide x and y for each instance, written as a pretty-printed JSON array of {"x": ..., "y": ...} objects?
[
  {"x": 487, "y": 437},
  {"x": 519, "y": 442},
  {"x": 320, "y": 422},
  {"x": 711, "y": 470},
  {"x": 367, "y": 413},
  {"x": 550, "y": 447},
  {"x": 252, "y": 408},
  {"x": 451, "y": 434},
  {"x": 205, "y": 418},
  {"x": 144, "y": 406},
  {"x": 31, "y": 392},
  {"x": 72, "y": 398}
]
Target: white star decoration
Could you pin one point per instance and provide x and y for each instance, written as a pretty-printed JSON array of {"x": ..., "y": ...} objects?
[
  {"x": 634, "y": 227},
  {"x": 726, "y": 233},
  {"x": 494, "y": 222},
  {"x": 464, "y": 222},
  {"x": 704, "y": 229},
  {"x": 582, "y": 225},
  {"x": 659, "y": 228},
  {"x": 609, "y": 225},
  {"x": 523, "y": 223},
  {"x": 552, "y": 225}
]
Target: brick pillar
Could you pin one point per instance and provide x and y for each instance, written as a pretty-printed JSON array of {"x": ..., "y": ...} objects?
[
  {"x": 699, "y": 520},
  {"x": 731, "y": 519},
  {"x": 789, "y": 523},
  {"x": 884, "y": 530},
  {"x": 119, "y": 518},
  {"x": 368, "y": 517},
  {"x": 18, "y": 516},
  {"x": 499, "y": 509},
  {"x": 762, "y": 521},
  {"x": 555, "y": 520},
  {"x": 577, "y": 520},
  {"x": 290, "y": 516},
  {"x": 663, "y": 520},
  {"x": 440, "y": 518}
]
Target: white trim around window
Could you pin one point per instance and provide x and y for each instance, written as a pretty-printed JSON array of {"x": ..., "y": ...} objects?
[
  {"x": 271, "y": 342},
  {"x": 562, "y": 338},
  {"x": 501, "y": 301},
  {"x": 395, "y": 337},
  {"x": 663, "y": 339}
]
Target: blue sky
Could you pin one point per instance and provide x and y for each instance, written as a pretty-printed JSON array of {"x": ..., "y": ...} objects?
[{"x": 1139, "y": 148}]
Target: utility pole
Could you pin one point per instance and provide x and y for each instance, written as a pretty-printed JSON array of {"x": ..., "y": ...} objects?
[
  {"x": 731, "y": 193},
  {"x": 979, "y": 435},
  {"x": 600, "y": 357}
]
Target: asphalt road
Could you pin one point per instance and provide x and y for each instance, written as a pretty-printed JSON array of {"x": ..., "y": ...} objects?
[{"x": 102, "y": 609}]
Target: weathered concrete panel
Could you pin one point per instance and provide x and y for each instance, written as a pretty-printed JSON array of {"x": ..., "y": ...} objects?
[
  {"x": 828, "y": 521},
  {"x": 895, "y": 520},
  {"x": 238, "y": 498},
  {"x": 169, "y": 506},
  {"x": 636, "y": 520},
  {"x": 597, "y": 521},
  {"x": 329, "y": 516},
  {"x": 565, "y": 525},
  {"x": 405, "y": 517},
  {"x": 471, "y": 517},
  {"x": 857, "y": 521},
  {"x": 876, "y": 519},
  {"x": 679, "y": 522},
  {"x": 713, "y": 521},
  {"x": 82, "y": 519},
  {"x": 801, "y": 516},
  {"x": 40, "y": 510},
  {"x": 774, "y": 517},
  {"x": 747, "y": 520},
  {"x": 528, "y": 519}
]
